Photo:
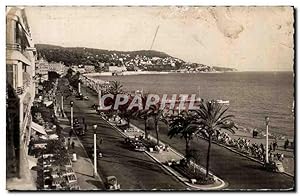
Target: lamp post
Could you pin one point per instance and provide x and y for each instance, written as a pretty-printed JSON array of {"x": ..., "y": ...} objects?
[
  {"x": 79, "y": 90},
  {"x": 99, "y": 97},
  {"x": 62, "y": 106},
  {"x": 95, "y": 150},
  {"x": 71, "y": 103},
  {"x": 267, "y": 119}
]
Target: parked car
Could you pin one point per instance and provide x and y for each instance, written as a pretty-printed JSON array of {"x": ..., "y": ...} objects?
[
  {"x": 85, "y": 98},
  {"x": 76, "y": 123},
  {"x": 90, "y": 151},
  {"x": 111, "y": 183},
  {"x": 79, "y": 131},
  {"x": 135, "y": 144}
]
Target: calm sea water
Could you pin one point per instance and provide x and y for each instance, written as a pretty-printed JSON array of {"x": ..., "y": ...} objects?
[{"x": 252, "y": 95}]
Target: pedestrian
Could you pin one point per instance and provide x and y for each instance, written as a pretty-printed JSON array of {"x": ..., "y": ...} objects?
[
  {"x": 262, "y": 148},
  {"x": 73, "y": 145},
  {"x": 281, "y": 157},
  {"x": 30, "y": 146},
  {"x": 83, "y": 120},
  {"x": 85, "y": 127},
  {"x": 271, "y": 157},
  {"x": 274, "y": 145},
  {"x": 70, "y": 133},
  {"x": 286, "y": 144},
  {"x": 68, "y": 143}
]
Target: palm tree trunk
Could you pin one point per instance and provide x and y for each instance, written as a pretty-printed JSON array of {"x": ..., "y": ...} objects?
[
  {"x": 128, "y": 122},
  {"x": 208, "y": 155},
  {"x": 156, "y": 130},
  {"x": 187, "y": 149},
  {"x": 146, "y": 131}
]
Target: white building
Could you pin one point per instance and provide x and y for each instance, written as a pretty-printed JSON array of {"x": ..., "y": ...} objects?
[{"x": 20, "y": 70}]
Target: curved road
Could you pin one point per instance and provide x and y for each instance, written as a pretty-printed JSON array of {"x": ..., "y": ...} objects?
[
  {"x": 134, "y": 170},
  {"x": 238, "y": 172}
]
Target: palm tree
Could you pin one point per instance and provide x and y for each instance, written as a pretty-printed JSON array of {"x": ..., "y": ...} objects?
[
  {"x": 115, "y": 87},
  {"x": 184, "y": 124},
  {"x": 212, "y": 118},
  {"x": 143, "y": 114},
  {"x": 158, "y": 115}
]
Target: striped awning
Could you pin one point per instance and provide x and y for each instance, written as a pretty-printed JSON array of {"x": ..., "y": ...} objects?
[{"x": 38, "y": 128}]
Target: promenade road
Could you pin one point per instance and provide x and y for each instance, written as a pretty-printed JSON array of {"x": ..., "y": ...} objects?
[
  {"x": 237, "y": 171},
  {"x": 134, "y": 170}
]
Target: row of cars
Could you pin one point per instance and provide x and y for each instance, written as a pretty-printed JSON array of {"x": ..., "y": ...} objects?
[{"x": 135, "y": 144}]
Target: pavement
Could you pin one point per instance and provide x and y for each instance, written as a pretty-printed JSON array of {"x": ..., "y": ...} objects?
[
  {"x": 133, "y": 170},
  {"x": 83, "y": 167},
  {"x": 289, "y": 159}
]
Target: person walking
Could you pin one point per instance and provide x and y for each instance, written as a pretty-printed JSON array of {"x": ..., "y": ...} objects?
[
  {"x": 73, "y": 145},
  {"x": 85, "y": 127},
  {"x": 286, "y": 144},
  {"x": 70, "y": 133},
  {"x": 274, "y": 145}
]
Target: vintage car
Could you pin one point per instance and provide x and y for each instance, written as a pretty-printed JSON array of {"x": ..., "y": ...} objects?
[
  {"x": 90, "y": 151},
  {"x": 136, "y": 145},
  {"x": 111, "y": 183}
]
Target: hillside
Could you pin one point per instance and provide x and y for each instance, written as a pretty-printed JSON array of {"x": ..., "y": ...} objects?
[{"x": 150, "y": 60}]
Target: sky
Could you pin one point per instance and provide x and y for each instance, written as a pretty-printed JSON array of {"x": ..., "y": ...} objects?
[{"x": 246, "y": 38}]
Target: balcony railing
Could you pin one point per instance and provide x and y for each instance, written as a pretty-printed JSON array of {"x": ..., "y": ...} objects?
[{"x": 13, "y": 47}]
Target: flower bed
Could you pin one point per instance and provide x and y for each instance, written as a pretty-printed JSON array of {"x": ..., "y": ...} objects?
[{"x": 192, "y": 172}]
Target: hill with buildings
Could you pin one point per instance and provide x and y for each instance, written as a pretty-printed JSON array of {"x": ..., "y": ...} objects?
[{"x": 142, "y": 60}]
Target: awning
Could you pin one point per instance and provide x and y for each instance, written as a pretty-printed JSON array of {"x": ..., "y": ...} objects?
[
  {"x": 38, "y": 128},
  {"x": 53, "y": 137},
  {"x": 47, "y": 103}
]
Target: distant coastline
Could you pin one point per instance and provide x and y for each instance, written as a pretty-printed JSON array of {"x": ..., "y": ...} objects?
[{"x": 128, "y": 73}]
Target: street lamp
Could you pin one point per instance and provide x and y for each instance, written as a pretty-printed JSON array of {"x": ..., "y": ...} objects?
[
  {"x": 267, "y": 119},
  {"x": 62, "y": 105},
  {"x": 71, "y": 103},
  {"x": 79, "y": 89},
  {"x": 95, "y": 150}
]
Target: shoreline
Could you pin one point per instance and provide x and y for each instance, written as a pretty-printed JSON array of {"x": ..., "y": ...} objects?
[
  {"x": 129, "y": 73},
  {"x": 242, "y": 129}
]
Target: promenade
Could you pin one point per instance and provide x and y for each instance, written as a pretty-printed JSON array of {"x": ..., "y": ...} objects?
[
  {"x": 83, "y": 166},
  {"x": 237, "y": 171},
  {"x": 134, "y": 170}
]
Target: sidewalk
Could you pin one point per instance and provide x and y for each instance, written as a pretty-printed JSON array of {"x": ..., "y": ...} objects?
[
  {"x": 288, "y": 162},
  {"x": 172, "y": 155},
  {"x": 83, "y": 167}
]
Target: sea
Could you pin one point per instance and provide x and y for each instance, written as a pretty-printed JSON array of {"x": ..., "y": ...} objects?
[{"x": 252, "y": 95}]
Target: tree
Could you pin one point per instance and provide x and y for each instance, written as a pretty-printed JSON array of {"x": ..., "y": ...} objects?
[
  {"x": 143, "y": 114},
  {"x": 212, "y": 119},
  {"x": 115, "y": 88},
  {"x": 186, "y": 125},
  {"x": 69, "y": 73},
  {"x": 126, "y": 113},
  {"x": 158, "y": 115}
]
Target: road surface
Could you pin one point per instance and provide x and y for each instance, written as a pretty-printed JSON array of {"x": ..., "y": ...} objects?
[
  {"x": 134, "y": 170},
  {"x": 237, "y": 171}
]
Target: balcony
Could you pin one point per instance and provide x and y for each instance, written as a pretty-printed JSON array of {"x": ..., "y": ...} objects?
[{"x": 13, "y": 47}]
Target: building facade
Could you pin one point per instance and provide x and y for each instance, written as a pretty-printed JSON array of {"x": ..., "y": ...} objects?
[
  {"x": 41, "y": 69},
  {"x": 20, "y": 93}
]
